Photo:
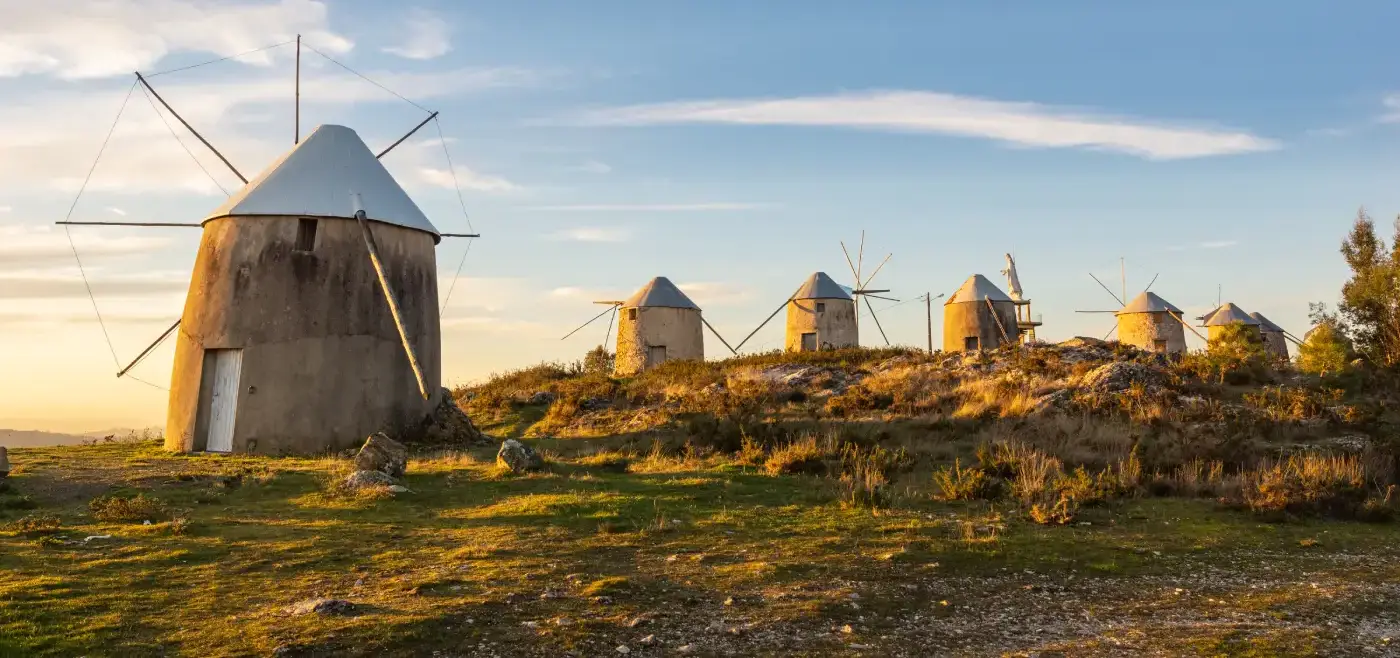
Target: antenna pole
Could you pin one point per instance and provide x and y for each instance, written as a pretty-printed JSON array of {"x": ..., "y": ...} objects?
[
  {"x": 410, "y": 134},
  {"x": 928, "y": 306},
  {"x": 1217, "y": 295},
  {"x": 1123, "y": 273},
  {"x": 191, "y": 128},
  {"x": 297, "y": 139}
]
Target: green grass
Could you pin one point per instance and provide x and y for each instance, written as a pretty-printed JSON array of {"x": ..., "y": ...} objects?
[{"x": 474, "y": 561}]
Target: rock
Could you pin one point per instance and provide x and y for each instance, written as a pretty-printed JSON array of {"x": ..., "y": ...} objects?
[
  {"x": 398, "y": 488},
  {"x": 362, "y": 479},
  {"x": 650, "y": 639},
  {"x": 383, "y": 454},
  {"x": 1052, "y": 401},
  {"x": 1119, "y": 376},
  {"x": 540, "y": 397},
  {"x": 622, "y": 648},
  {"x": 322, "y": 607},
  {"x": 448, "y": 425},
  {"x": 4, "y": 463},
  {"x": 518, "y": 457}
]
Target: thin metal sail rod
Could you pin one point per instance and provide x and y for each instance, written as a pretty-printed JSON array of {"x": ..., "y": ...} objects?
[
  {"x": 580, "y": 328},
  {"x": 765, "y": 323},
  {"x": 410, "y": 134},
  {"x": 1123, "y": 302},
  {"x": 148, "y": 349},
  {"x": 389, "y": 295},
  {"x": 876, "y": 318},
  {"x": 191, "y": 128},
  {"x": 716, "y": 333},
  {"x": 180, "y": 225},
  {"x": 297, "y": 137}
]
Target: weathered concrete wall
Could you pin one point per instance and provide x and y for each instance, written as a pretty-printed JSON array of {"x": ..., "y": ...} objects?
[
  {"x": 965, "y": 319},
  {"x": 1143, "y": 330},
  {"x": 677, "y": 328},
  {"x": 1276, "y": 344},
  {"x": 835, "y": 326},
  {"x": 323, "y": 365}
]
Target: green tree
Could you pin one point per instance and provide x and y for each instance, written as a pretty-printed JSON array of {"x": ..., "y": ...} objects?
[
  {"x": 1370, "y": 305},
  {"x": 1326, "y": 350},
  {"x": 1238, "y": 354}
]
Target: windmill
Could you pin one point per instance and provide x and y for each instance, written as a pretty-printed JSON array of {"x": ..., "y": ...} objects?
[
  {"x": 659, "y": 323},
  {"x": 1146, "y": 321},
  {"x": 327, "y": 205},
  {"x": 823, "y": 314}
]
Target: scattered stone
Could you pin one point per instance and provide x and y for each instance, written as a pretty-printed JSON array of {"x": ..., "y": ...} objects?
[
  {"x": 622, "y": 648},
  {"x": 685, "y": 648},
  {"x": 639, "y": 621},
  {"x": 518, "y": 457},
  {"x": 540, "y": 397},
  {"x": 322, "y": 607},
  {"x": 399, "y": 488},
  {"x": 650, "y": 639},
  {"x": 383, "y": 454},
  {"x": 362, "y": 479},
  {"x": 448, "y": 425}
]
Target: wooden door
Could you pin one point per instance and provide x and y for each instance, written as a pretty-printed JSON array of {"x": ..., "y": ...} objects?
[
  {"x": 809, "y": 342},
  {"x": 656, "y": 355},
  {"x": 221, "y": 407}
]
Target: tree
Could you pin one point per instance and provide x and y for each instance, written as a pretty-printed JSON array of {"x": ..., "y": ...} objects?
[
  {"x": 1370, "y": 305},
  {"x": 1238, "y": 354},
  {"x": 1325, "y": 350}
]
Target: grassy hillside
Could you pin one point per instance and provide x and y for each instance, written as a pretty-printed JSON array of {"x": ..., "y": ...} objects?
[{"x": 875, "y": 503}]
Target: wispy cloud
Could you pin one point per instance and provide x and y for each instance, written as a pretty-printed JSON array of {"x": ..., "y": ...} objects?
[
  {"x": 27, "y": 247},
  {"x": 1209, "y": 244},
  {"x": 424, "y": 36},
  {"x": 593, "y": 234},
  {"x": 1391, "y": 103},
  {"x": 1019, "y": 123},
  {"x": 594, "y": 167},
  {"x": 75, "y": 39},
  {"x": 466, "y": 178},
  {"x": 653, "y": 207},
  {"x": 46, "y": 285},
  {"x": 716, "y": 293}
]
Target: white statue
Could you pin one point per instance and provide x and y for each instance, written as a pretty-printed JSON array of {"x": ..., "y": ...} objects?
[{"x": 1013, "y": 282}]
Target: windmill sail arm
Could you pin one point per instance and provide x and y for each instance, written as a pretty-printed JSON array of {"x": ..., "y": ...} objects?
[{"x": 389, "y": 294}]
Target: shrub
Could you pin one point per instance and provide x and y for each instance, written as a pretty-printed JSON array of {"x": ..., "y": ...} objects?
[
  {"x": 1325, "y": 350},
  {"x": 805, "y": 456},
  {"x": 1306, "y": 485},
  {"x": 138, "y": 508},
  {"x": 35, "y": 525},
  {"x": 1003, "y": 459},
  {"x": 1061, "y": 512},
  {"x": 958, "y": 483},
  {"x": 865, "y": 474},
  {"x": 1295, "y": 403}
]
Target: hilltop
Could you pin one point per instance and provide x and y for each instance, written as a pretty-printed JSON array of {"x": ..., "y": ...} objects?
[{"x": 1085, "y": 498}]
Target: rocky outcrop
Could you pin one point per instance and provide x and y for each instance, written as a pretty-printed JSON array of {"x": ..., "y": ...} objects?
[
  {"x": 518, "y": 457},
  {"x": 383, "y": 454},
  {"x": 448, "y": 425},
  {"x": 1119, "y": 376}
]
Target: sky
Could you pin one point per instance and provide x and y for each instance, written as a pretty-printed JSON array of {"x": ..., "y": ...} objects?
[{"x": 732, "y": 146}]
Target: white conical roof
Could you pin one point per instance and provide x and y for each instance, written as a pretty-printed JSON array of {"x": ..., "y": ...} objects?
[
  {"x": 1149, "y": 302},
  {"x": 1266, "y": 324},
  {"x": 659, "y": 292},
  {"x": 1228, "y": 313},
  {"x": 820, "y": 286},
  {"x": 977, "y": 289},
  {"x": 316, "y": 179}
]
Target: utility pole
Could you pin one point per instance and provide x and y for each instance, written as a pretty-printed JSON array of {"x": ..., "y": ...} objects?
[
  {"x": 928, "y": 308},
  {"x": 297, "y": 138}
]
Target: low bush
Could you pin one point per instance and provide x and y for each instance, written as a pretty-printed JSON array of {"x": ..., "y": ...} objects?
[
  {"x": 1306, "y": 485},
  {"x": 804, "y": 456},
  {"x": 35, "y": 525},
  {"x": 135, "y": 509},
  {"x": 971, "y": 483}
]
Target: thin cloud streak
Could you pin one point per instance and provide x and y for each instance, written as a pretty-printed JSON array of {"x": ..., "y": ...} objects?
[
  {"x": 652, "y": 207},
  {"x": 593, "y": 234},
  {"x": 1019, "y": 123}
]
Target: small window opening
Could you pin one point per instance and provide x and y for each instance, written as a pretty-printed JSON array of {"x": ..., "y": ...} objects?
[
  {"x": 306, "y": 235},
  {"x": 971, "y": 343},
  {"x": 631, "y": 314},
  {"x": 1159, "y": 345},
  {"x": 821, "y": 307}
]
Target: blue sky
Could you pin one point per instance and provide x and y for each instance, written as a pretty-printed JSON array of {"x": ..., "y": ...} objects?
[{"x": 727, "y": 145}]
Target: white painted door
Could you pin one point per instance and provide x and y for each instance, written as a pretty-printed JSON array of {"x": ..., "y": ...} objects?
[{"x": 223, "y": 401}]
